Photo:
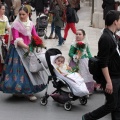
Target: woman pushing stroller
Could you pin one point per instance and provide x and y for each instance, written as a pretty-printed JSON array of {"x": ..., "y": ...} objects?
[{"x": 15, "y": 78}]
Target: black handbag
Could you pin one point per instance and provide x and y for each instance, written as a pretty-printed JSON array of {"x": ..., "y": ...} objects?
[
  {"x": 76, "y": 17},
  {"x": 95, "y": 69}
]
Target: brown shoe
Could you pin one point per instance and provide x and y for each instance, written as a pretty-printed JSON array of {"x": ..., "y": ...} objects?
[
  {"x": 56, "y": 37},
  {"x": 50, "y": 37}
]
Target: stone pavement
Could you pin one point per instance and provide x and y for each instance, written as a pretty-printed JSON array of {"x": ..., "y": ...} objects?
[{"x": 93, "y": 34}]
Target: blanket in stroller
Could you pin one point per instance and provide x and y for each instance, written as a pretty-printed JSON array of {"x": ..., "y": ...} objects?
[{"x": 74, "y": 80}]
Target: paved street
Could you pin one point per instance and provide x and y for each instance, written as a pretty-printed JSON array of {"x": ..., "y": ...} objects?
[{"x": 22, "y": 109}]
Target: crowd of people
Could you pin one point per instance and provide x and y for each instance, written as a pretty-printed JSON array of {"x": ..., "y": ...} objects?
[{"x": 15, "y": 78}]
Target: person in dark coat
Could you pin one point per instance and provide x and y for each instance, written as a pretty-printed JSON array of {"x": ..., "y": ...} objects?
[
  {"x": 39, "y": 6},
  {"x": 9, "y": 5},
  {"x": 109, "y": 61},
  {"x": 107, "y": 6},
  {"x": 75, "y": 4}
]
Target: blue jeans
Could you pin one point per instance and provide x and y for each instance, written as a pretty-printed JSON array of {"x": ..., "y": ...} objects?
[
  {"x": 52, "y": 27},
  {"x": 58, "y": 32},
  {"x": 112, "y": 104}
]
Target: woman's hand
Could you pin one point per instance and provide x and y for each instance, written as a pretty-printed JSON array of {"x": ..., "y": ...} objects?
[
  {"x": 78, "y": 54},
  {"x": 109, "y": 88},
  {"x": 69, "y": 68},
  {"x": 27, "y": 47}
]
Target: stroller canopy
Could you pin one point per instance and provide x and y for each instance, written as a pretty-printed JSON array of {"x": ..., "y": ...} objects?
[{"x": 51, "y": 52}]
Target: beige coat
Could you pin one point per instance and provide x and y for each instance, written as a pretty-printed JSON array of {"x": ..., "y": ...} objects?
[{"x": 16, "y": 6}]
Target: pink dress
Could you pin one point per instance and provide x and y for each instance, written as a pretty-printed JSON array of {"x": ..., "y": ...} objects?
[{"x": 17, "y": 34}]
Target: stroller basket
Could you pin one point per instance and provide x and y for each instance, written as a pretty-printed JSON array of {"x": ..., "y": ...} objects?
[{"x": 41, "y": 32}]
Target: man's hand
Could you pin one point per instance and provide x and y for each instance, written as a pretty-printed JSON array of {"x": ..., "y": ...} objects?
[{"x": 109, "y": 88}]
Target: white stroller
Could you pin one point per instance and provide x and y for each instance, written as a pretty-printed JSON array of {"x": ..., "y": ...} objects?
[{"x": 66, "y": 90}]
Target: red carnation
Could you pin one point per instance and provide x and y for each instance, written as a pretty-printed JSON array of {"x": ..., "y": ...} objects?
[
  {"x": 6, "y": 36},
  {"x": 80, "y": 45},
  {"x": 37, "y": 41}
]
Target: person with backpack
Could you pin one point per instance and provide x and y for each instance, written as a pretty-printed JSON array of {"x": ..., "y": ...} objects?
[
  {"x": 108, "y": 44},
  {"x": 70, "y": 21},
  {"x": 75, "y": 4}
]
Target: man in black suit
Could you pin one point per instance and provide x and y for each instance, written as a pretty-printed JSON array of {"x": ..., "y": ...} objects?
[{"x": 109, "y": 59}]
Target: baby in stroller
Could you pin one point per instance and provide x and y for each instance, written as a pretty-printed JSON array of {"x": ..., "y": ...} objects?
[
  {"x": 74, "y": 79},
  {"x": 69, "y": 86}
]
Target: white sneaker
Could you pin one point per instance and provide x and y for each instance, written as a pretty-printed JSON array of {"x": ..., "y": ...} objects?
[{"x": 32, "y": 97}]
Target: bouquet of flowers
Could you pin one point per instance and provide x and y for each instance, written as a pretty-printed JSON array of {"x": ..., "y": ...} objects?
[
  {"x": 36, "y": 43},
  {"x": 80, "y": 45}
]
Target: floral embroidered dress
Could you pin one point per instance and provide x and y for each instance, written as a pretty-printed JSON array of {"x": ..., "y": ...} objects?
[
  {"x": 4, "y": 24},
  {"x": 83, "y": 63},
  {"x": 16, "y": 78}
]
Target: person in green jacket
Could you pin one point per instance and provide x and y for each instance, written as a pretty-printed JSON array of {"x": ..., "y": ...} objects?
[{"x": 80, "y": 53}]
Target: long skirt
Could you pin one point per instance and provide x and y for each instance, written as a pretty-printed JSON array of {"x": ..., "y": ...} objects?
[
  {"x": 1, "y": 66},
  {"x": 15, "y": 78},
  {"x": 84, "y": 72}
]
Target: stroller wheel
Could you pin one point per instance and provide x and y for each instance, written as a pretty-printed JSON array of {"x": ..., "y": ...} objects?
[
  {"x": 43, "y": 101},
  {"x": 83, "y": 100},
  {"x": 67, "y": 106},
  {"x": 70, "y": 95}
]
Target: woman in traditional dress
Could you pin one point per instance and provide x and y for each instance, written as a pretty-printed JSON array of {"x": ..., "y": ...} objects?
[
  {"x": 16, "y": 78},
  {"x": 4, "y": 24},
  {"x": 80, "y": 54}
]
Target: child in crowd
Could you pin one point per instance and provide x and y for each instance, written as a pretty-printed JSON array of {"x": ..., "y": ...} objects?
[{"x": 80, "y": 53}]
